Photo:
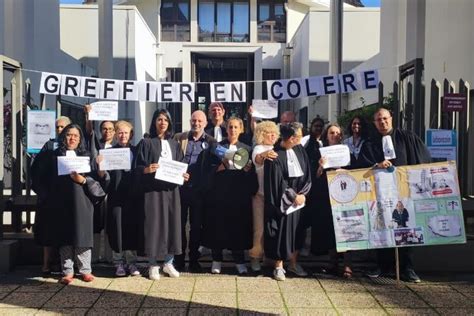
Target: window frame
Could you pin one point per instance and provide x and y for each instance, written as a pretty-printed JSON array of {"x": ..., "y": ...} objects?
[
  {"x": 175, "y": 21},
  {"x": 272, "y": 17}
]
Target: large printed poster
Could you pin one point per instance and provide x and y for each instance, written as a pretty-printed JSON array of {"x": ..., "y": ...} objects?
[{"x": 412, "y": 206}]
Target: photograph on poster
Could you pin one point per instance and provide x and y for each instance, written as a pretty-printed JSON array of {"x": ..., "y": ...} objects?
[
  {"x": 343, "y": 188},
  {"x": 403, "y": 214},
  {"x": 433, "y": 182},
  {"x": 350, "y": 225},
  {"x": 409, "y": 236},
  {"x": 365, "y": 186},
  {"x": 377, "y": 216},
  {"x": 445, "y": 226},
  {"x": 381, "y": 239},
  {"x": 426, "y": 206}
]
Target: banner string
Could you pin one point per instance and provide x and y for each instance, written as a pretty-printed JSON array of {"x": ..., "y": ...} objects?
[{"x": 203, "y": 82}]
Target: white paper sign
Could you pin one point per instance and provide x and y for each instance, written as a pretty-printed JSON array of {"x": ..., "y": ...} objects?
[
  {"x": 171, "y": 171},
  {"x": 41, "y": 128},
  {"x": 104, "y": 111},
  {"x": 265, "y": 109},
  {"x": 388, "y": 148},
  {"x": 115, "y": 159},
  {"x": 336, "y": 156},
  {"x": 68, "y": 164},
  {"x": 292, "y": 208}
]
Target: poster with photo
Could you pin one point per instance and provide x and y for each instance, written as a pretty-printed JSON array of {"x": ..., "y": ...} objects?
[
  {"x": 40, "y": 129},
  {"x": 412, "y": 206}
]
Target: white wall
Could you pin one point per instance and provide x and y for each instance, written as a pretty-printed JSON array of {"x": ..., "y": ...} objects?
[
  {"x": 310, "y": 53},
  {"x": 133, "y": 51}
]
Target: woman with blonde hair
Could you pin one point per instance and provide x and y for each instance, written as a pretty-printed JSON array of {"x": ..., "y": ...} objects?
[
  {"x": 122, "y": 221},
  {"x": 265, "y": 135}
]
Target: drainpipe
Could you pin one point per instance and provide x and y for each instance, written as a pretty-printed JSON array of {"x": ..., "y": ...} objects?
[{"x": 335, "y": 53}]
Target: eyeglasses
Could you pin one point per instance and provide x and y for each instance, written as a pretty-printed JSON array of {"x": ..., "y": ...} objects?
[{"x": 105, "y": 129}]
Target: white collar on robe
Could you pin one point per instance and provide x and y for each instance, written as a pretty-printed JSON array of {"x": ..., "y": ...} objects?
[
  {"x": 165, "y": 150},
  {"x": 294, "y": 167},
  {"x": 218, "y": 133}
]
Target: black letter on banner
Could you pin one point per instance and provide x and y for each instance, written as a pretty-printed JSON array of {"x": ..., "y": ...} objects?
[
  {"x": 126, "y": 88},
  {"x": 166, "y": 88},
  {"x": 71, "y": 83},
  {"x": 276, "y": 83},
  {"x": 54, "y": 86},
  {"x": 185, "y": 90},
  {"x": 238, "y": 93},
  {"x": 219, "y": 88},
  {"x": 90, "y": 84},
  {"x": 369, "y": 79},
  {"x": 308, "y": 88},
  {"x": 288, "y": 88},
  {"x": 107, "y": 88},
  {"x": 328, "y": 82},
  {"x": 348, "y": 80}
]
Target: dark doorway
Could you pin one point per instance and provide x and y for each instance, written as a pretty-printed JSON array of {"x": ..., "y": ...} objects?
[{"x": 217, "y": 68}]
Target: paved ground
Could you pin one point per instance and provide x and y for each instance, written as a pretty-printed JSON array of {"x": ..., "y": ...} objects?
[{"x": 23, "y": 293}]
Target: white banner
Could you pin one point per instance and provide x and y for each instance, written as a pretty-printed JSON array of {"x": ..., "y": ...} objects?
[{"x": 130, "y": 90}]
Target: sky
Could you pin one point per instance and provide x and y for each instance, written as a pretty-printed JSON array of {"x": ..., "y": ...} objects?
[{"x": 367, "y": 3}]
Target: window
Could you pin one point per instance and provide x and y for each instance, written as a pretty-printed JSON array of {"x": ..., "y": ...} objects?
[
  {"x": 175, "y": 108},
  {"x": 223, "y": 21},
  {"x": 175, "y": 25},
  {"x": 271, "y": 21}
]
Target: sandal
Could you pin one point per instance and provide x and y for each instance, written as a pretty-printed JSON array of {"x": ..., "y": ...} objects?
[{"x": 347, "y": 273}]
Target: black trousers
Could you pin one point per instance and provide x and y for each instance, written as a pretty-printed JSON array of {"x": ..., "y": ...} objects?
[
  {"x": 386, "y": 258},
  {"x": 192, "y": 204}
]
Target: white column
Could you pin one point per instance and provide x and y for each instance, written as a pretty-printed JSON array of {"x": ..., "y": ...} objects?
[
  {"x": 194, "y": 22},
  {"x": 253, "y": 21}
]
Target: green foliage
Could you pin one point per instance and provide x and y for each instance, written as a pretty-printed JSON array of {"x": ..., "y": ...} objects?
[{"x": 366, "y": 111}]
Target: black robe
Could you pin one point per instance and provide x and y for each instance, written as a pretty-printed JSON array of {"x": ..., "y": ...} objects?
[
  {"x": 228, "y": 208},
  {"x": 409, "y": 149},
  {"x": 160, "y": 202},
  {"x": 71, "y": 206},
  {"x": 123, "y": 218},
  {"x": 94, "y": 145},
  {"x": 44, "y": 217},
  {"x": 280, "y": 230}
]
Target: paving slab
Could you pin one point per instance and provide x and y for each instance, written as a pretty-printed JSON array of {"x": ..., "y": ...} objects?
[
  {"x": 62, "y": 311},
  {"x": 64, "y": 300},
  {"x": 214, "y": 299},
  {"x": 113, "y": 311},
  {"x": 167, "y": 300},
  {"x": 18, "y": 311},
  {"x": 312, "y": 311},
  {"x": 399, "y": 299},
  {"x": 411, "y": 311},
  {"x": 361, "y": 311},
  {"x": 22, "y": 299},
  {"x": 215, "y": 285},
  {"x": 173, "y": 285},
  {"x": 263, "y": 300},
  {"x": 353, "y": 300},
  {"x": 446, "y": 299},
  {"x": 455, "y": 311},
  {"x": 307, "y": 300},
  {"x": 110, "y": 300},
  {"x": 162, "y": 312}
]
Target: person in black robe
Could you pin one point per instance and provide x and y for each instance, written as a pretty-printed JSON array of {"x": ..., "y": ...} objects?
[
  {"x": 216, "y": 126},
  {"x": 289, "y": 181},
  {"x": 161, "y": 201},
  {"x": 94, "y": 145},
  {"x": 71, "y": 200},
  {"x": 409, "y": 150},
  {"x": 123, "y": 223},
  {"x": 400, "y": 215},
  {"x": 43, "y": 218},
  {"x": 228, "y": 211}
]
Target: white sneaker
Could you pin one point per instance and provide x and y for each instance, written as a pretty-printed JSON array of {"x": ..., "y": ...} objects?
[
  {"x": 255, "y": 265},
  {"x": 120, "y": 271},
  {"x": 241, "y": 268},
  {"x": 216, "y": 267},
  {"x": 169, "y": 269},
  {"x": 279, "y": 274},
  {"x": 154, "y": 273},
  {"x": 133, "y": 270},
  {"x": 298, "y": 270}
]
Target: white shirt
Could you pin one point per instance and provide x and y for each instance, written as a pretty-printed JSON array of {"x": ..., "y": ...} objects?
[
  {"x": 353, "y": 148},
  {"x": 294, "y": 168},
  {"x": 258, "y": 149}
]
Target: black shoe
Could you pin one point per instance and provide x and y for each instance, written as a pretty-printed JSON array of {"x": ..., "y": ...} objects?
[
  {"x": 194, "y": 267},
  {"x": 409, "y": 275},
  {"x": 374, "y": 273}
]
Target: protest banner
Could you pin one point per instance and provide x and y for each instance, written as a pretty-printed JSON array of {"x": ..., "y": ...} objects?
[{"x": 415, "y": 205}]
